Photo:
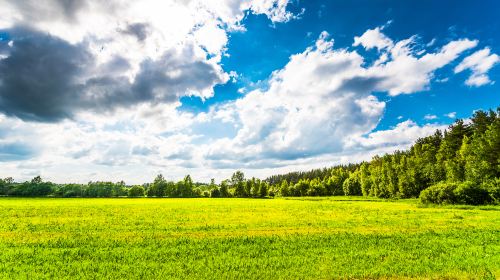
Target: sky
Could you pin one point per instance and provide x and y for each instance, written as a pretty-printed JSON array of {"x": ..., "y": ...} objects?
[{"x": 114, "y": 90}]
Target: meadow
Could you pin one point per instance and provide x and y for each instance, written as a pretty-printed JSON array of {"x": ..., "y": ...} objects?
[{"x": 295, "y": 238}]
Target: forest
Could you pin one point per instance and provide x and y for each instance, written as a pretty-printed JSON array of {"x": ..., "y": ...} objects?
[{"x": 460, "y": 165}]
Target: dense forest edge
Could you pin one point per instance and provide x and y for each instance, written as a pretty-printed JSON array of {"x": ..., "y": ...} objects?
[{"x": 460, "y": 165}]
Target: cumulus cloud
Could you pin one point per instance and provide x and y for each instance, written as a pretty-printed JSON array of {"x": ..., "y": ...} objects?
[
  {"x": 45, "y": 78},
  {"x": 373, "y": 38},
  {"x": 406, "y": 65},
  {"x": 68, "y": 56},
  {"x": 322, "y": 99},
  {"x": 275, "y": 10},
  {"x": 319, "y": 109},
  {"x": 139, "y": 30},
  {"x": 400, "y": 137},
  {"x": 406, "y": 73},
  {"x": 321, "y": 103},
  {"x": 39, "y": 76},
  {"x": 311, "y": 105},
  {"x": 479, "y": 63}
]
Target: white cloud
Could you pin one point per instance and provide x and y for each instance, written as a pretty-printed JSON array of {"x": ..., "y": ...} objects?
[
  {"x": 430, "y": 117},
  {"x": 479, "y": 63},
  {"x": 400, "y": 66},
  {"x": 401, "y": 136},
  {"x": 321, "y": 100},
  {"x": 275, "y": 10},
  {"x": 452, "y": 115},
  {"x": 137, "y": 50},
  {"x": 406, "y": 73},
  {"x": 311, "y": 106},
  {"x": 373, "y": 38},
  {"x": 431, "y": 43},
  {"x": 318, "y": 110}
]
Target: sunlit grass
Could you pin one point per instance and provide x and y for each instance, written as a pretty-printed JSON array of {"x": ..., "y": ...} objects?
[{"x": 305, "y": 238}]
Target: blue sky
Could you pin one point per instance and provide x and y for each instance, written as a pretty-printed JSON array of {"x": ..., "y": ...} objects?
[
  {"x": 95, "y": 91},
  {"x": 266, "y": 47}
]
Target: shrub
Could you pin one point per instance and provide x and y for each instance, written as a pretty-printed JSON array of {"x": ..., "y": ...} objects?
[
  {"x": 471, "y": 193},
  {"x": 455, "y": 193},
  {"x": 493, "y": 188},
  {"x": 441, "y": 193}
]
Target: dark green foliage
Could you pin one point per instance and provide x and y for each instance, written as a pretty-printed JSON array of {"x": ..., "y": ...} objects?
[
  {"x": 300, "y": 189},
  {"x": 70, "y": 190},
  {"x": 238, "y": 184},
  {"x": 264, "y": 189},
  {"x": 215, "y": 193},
  {"x": 317, "y": 188},
  {"x": 294, "y": 177},
  {"x": 5, "y": 186},
  {"x": 442, "y": 193},
  {"x": 35, "y": 187},
  {"x": 284, "y": 190},
  {"x": 472, "y": 193},
  {"x": 493, "y": 188},
  {"x": 352, "y": 186},
  {"x": 136, "y": 191},
  {"x": 100, "y": 189},
  {"x": 158, "y": 188},
  {"x": 224, "y": 190},
  {"x": 456, "y": 193}
]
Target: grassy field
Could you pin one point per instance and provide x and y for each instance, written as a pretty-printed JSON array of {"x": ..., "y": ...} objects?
[{"x": 245, "y": 239}]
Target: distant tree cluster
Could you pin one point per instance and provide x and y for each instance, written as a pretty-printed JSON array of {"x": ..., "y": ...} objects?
[
  {"x": 38, "y": 188},
  {"x": 458, "y": 165},
  {"x": 237, "y": 186}
]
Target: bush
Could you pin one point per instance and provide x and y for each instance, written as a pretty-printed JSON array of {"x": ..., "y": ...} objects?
[
  {"x": 455, "y": 193},
  {"x": 473, "y": 194},
  {"x": 441, "y": 193},
  {"x": 493, "y": 188}
]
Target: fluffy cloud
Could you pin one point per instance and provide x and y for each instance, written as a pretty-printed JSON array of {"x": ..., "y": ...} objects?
[
  {"x": 122, "y": 114},
  {"x": 69, "y": 56},
  {"x": 38, "y": 78},
  {"x": 312, "y": 104},
  {"x": 399, "y": 137},
  {"x": 404, "y": 72},
  {"x": 373, "y": 38},
  {"x": 479, "y": 63},
  {"x": 44, "y": 78},
  {"x": 322, "y": 100}
]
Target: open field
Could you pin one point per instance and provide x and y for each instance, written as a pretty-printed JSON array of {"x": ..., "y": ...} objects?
[{"x": 246, "y": 238}]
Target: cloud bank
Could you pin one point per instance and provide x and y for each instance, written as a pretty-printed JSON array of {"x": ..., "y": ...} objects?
[{"x": 96, "y": 87}]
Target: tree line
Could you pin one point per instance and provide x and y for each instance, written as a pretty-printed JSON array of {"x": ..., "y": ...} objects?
[
  {"x": 237, "y": 186},
  {"x": 458, "y": 165}
]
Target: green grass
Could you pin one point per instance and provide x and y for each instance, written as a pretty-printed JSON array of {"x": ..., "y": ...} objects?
[{"x": 303, "y": 238}]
